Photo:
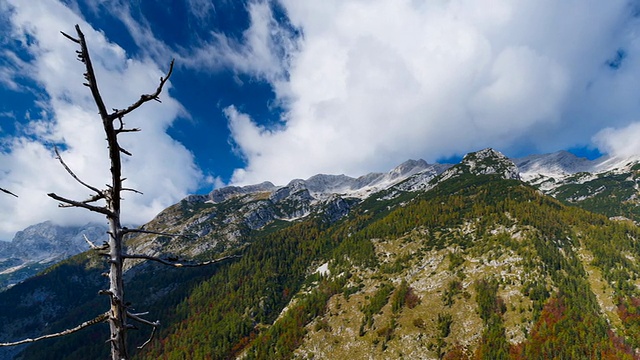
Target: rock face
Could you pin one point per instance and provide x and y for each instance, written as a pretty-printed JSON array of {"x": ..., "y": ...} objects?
[
  {"x": 484, "y": 162},
  {"x": 222, "y": 218},
  {"x": 42, "y": 245},
  {"x": 225, "y": 193}
]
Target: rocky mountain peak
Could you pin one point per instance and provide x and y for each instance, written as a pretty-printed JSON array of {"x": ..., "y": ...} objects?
[
  {"x": 490, "y": 161},
  {"x": 44, "y": 240},
  {"x": 484, "y": 162},
  {"x": 226, "y": 193},
  {"x": 329, "y": 183},
  {"x": 44, "y": 243},
  {"x": 408, "y": 168}
]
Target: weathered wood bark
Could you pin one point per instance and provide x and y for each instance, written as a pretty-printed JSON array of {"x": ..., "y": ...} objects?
[{"x": 118, "y": 314}]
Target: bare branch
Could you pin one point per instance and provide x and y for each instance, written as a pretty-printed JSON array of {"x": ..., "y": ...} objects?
[
  {"x": 73, "y": 203},
  {"x": 59, "y": 157},
  {"x": 93, "y": 245},
  {"x": 8, "y": 192},
  {"x": 141, "y": 231},
  {"x": 85, "y": 324},
  {"x": 154, "y": 326},
  {"x": 132, "y": 190},
  {"x": 94, "y": 198},
  {"x": 139, "y": 314},
  {"x": 83, "y": 55},
  {"x": 122, "y": 150},
  {"x": 105, "y": 292},
  {"x": 144, "y": 98},
  {"x": 179, "y": 265},
  {"x": 70, "y": 37},
  {"x": 119, "y": 121},
  {"x": 153, "y": 333},
  {"x": 121, "y": 128},
  {"x": 137, "y": 318},
  {"x": 118, "y": 131}
]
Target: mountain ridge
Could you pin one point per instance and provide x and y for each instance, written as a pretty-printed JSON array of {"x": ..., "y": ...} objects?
[
  {"x": 555, "y": 165},
  {"x": 333, "y": 195},
  {"x": 471, "y": 249},
  {"x": 548, "y": 172}
]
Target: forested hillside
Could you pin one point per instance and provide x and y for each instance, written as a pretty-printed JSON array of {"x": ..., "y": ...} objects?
[{"x": 479, "y": 266}]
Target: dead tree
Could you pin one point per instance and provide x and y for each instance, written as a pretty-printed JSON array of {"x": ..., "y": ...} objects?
[
  {"x": 118, "y": 314},
  {"x": 113, "y": 126}
]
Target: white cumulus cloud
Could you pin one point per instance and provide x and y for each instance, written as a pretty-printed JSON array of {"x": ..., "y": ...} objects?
[
  {"x": 624, "y": 141},
  {"x": 372, "y": 83},
  {"x": 160, "y": 167}
]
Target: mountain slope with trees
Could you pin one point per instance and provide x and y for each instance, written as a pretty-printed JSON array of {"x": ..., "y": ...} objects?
[{"x": 470, "y": 263}]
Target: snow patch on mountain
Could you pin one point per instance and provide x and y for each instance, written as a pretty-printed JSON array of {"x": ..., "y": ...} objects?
[
  {"x": 549, "y": 171},
  {"x": 323, "y": 187},
  {"x": 555, "y": 165},
  {"x": 615, "y": 164},
  {"x": 562, "y": 163}
]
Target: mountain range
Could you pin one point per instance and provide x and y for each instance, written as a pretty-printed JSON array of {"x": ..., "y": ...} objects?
[
  {"x": 537, "y": 257},
  {"x": 40, "y": 246}
]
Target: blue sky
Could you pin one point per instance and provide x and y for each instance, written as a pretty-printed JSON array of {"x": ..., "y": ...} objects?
[{"x": 277, "y": 90}]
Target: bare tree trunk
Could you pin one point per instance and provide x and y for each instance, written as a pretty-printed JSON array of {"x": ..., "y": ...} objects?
[
  {"x": 112, "y": 195},
  {"x": 118, "y": 314}
]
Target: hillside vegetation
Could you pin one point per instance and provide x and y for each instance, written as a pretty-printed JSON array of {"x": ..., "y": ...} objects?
[
  {"x": 480, "y": 267},
  {"x": 477, "y": 267}
]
